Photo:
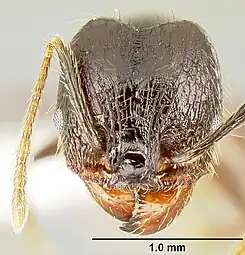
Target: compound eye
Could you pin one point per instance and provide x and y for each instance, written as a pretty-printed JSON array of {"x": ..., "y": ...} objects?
[{"x": 58, "y": 120}]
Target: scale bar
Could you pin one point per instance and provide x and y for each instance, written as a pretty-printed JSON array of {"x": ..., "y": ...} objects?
[{"x": 167, "y": 239}]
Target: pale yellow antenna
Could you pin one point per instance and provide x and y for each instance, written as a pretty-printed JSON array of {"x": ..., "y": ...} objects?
[{"x": 19, "y": 201}]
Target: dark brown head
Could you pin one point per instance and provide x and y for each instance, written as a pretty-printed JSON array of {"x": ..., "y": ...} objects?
[{"x": 140, "y": 99}]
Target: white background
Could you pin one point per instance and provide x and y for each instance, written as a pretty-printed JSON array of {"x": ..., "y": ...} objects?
[{"x": 65, "y": 217}]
